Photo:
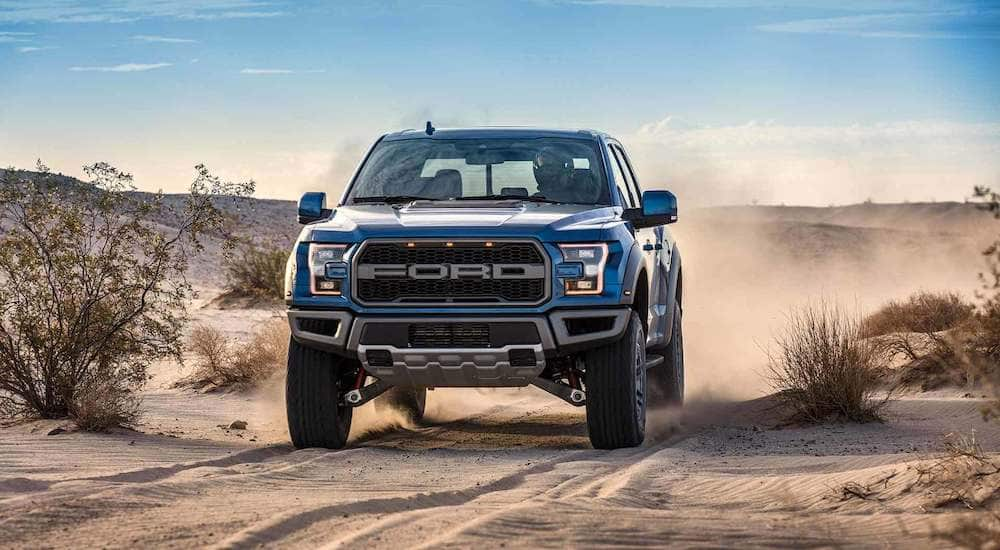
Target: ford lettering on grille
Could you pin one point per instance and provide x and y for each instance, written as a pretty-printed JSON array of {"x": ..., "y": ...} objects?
[
  {"x": 456, "y": 273},
  {"x": 446, "y": 271}
]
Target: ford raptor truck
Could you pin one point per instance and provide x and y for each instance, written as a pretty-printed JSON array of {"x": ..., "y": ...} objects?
[{"x": 485, "y": 257}]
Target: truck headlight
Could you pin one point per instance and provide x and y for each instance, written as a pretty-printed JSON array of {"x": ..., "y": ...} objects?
[
  {"x": 327, "y": 269},
  {"x": 590, "y": 260}
]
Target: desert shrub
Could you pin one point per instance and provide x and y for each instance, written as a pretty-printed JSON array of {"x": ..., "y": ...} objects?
[
  {"x": 987, "y": 339},
  {"x": 210, "y": 346},
  {"x": 222, "y": 363},
  {"x": 91, "y": 290},
  {"x": 257, "y": 269},
  {"x": 823, "y": 368},
  {"x": 923, "y": 312},
  {"x": 105, "y": 406},
  {"x": 932, "y": 332},
  {"x": 981, "y": 353}
]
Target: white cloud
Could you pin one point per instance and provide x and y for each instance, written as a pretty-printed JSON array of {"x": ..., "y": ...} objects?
[
  {"x": 233, "y": 15},
  {"x": 279, "y": 71},
  {"x": 29, "y": 49},
  {"x": 7, "y": 37},
  {"x": 162, "y": 39},
  {"x": 850, "y": 5},
  {"x": 120, "y": 11},
  {"x": 817, "y": 165},
  {"x": 970, "y": 23},
  {"x": 123, "y": 68},
  {"x": 266, "y": 71}
]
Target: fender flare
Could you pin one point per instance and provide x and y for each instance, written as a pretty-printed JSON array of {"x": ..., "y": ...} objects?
[
  {"x": 631, "y": 278},
  {"x": 675, "y": 290}
]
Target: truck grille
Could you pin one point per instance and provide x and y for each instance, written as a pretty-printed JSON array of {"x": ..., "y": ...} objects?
[{"x": 401, "y": 289}]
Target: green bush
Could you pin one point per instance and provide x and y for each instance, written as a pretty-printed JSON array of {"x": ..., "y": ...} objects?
[
  {"x": 92, "y": 290},
  {"x": 257, "y": 270}
]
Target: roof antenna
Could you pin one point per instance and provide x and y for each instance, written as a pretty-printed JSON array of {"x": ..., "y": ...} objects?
[{"x": 429, "y": 129}]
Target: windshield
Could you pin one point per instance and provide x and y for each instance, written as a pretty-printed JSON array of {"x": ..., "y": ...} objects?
[{"x": 542, "y": 169}]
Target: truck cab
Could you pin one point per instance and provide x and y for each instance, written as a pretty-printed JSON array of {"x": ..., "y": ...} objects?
[{"x": 485, "y": 257}]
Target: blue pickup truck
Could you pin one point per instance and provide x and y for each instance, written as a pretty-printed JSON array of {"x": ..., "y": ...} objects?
[{"x": 486, "y": 257}]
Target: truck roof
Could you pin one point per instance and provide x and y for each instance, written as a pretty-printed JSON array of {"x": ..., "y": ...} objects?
[{"x": 494, "y": 132}]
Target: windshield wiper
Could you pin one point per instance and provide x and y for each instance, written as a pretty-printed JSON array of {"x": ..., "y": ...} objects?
[
  {"x": 507, "y": 197},
  {"x": 392, "y": 199}
]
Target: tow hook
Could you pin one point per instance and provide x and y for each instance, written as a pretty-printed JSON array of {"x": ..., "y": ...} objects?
[
  {"x": 353, "y": 397},
  {"x": 360, "y": 396}
]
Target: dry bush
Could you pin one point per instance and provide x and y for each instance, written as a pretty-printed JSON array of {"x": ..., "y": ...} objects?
[
  {"x": 257, "y": 269},
  {"x": 968, "y": 477},
  {"x": 210, "y": 346},
  {"x": 965, "y": 355},
  {"x": 982, "y": 352},
  {"x": 986, "y": 342},
  {"x": 923, "y": 312},
  {"x": 92, "y": 289},
  {"x": 934, "y": 333},
  {"x": 103, "y": 407},
  {"x": 963, "y": 477},
  {"x": 223, "y": 363},
  {"x": 824, "y": 369}
]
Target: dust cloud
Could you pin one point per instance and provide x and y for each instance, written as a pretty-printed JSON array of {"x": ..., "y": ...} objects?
[{"x": 746, "y": 267}]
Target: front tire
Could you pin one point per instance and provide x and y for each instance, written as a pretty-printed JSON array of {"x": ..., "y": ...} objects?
[
  {"x": 616, "y": 390},
  {"x": 313, "y": 396}
]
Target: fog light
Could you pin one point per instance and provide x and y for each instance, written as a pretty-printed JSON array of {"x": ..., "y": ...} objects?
[{"x": 328, "y": 286}]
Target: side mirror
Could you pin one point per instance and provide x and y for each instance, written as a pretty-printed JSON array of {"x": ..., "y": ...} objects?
[
  {"x": 658, "y": 208},
  {"x": 312, "y": 207}
]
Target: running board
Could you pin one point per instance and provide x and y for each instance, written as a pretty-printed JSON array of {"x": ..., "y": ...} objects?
[{"x": 652, "y": 360}]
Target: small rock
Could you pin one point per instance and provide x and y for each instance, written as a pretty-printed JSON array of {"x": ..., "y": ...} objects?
[
  {"x": 56, "y": 431},
  {"x": 131, "y": 443},
  {"x": 238, "y": 425}
]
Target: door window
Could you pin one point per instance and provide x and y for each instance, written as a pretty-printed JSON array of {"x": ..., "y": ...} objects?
[
  {"x": 621, "y": 181},
  {"x": 630, "y": 173}
]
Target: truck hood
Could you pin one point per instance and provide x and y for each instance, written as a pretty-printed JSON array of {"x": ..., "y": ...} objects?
[{"x": 546, "y": 222}]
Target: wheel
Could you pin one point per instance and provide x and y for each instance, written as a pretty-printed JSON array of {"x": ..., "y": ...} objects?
[
  {"x": 312, "y": 397},
  {"x": 615, "y": 380},
  {"x": 410, "y": 401},
  {"x": 666, "y": 381}
]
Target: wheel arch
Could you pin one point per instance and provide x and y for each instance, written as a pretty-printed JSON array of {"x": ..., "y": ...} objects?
[{"x": 675, "y": 290}]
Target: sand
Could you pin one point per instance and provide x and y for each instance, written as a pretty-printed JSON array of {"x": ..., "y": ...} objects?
[{"x": 519, "y": 473}]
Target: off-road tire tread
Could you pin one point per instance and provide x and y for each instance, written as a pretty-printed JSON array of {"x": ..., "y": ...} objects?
[
  {"x": 611, "y": 392},
  {"x": 314, "y": 419}
]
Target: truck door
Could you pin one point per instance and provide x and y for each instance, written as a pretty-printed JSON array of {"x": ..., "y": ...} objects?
[{"x": 657, "y": 251}]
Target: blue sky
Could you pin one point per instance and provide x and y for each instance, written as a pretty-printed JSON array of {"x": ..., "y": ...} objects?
[{"x": 724, "y": 100}]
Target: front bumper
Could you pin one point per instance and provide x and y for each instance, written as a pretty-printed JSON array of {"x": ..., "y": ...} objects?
[{"x": 367, "y": 338}]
